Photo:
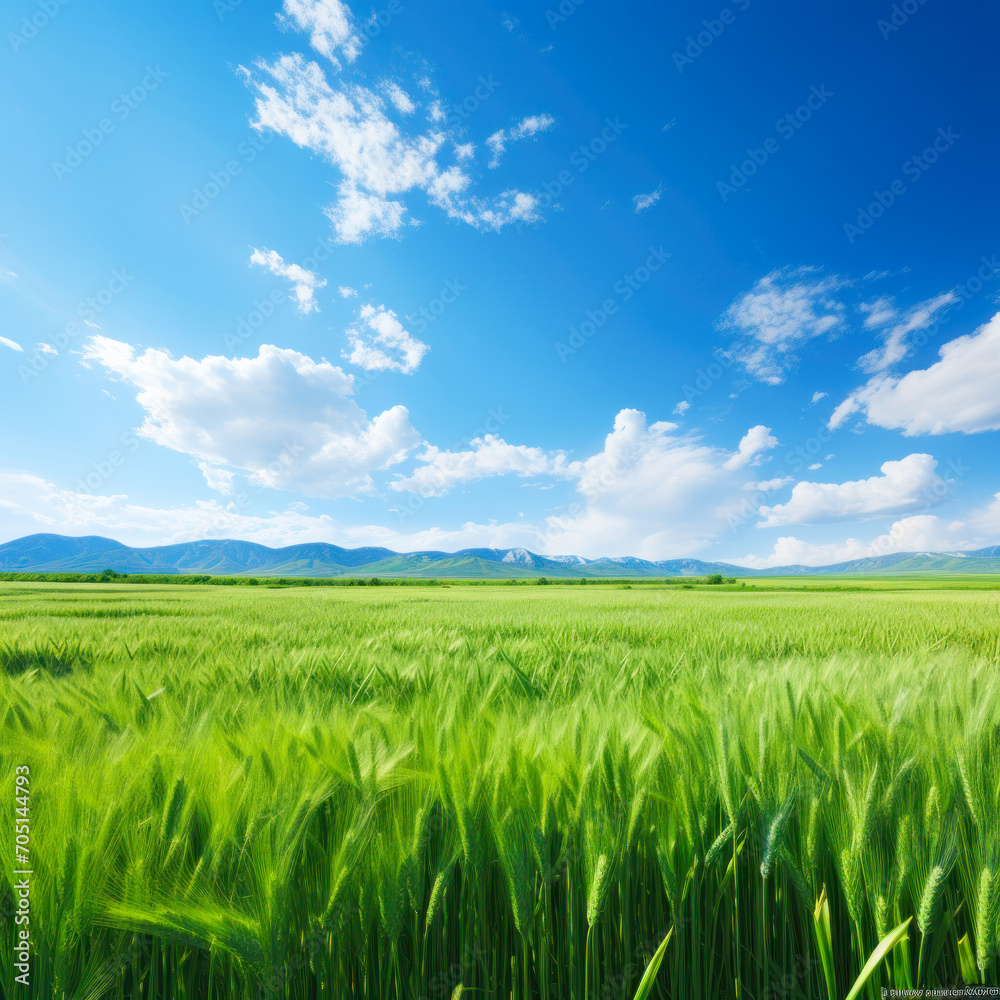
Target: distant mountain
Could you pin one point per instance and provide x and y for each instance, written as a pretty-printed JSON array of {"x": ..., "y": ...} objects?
[{"x": 230, "y": 557}]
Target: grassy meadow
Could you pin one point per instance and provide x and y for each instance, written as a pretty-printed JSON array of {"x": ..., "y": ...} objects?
[{"x": 516, "y": 792}]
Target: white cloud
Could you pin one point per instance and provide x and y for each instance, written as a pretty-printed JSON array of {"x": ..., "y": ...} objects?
[
  {"x": 896, "y": 343},
  {"x": 13, "y": 345},
  {"x": 220, "y": 480},
  {"x": 920, "y": 533},
  {"x": 958, "y": 394},
  {"x": 682, "y": 407},
  {"x": 401, "y": 100},
  {"x": 770, "y": 485},
  {"x": 380, "y": 332},
  {"x": 778, "y": 316},
  {"x": 304, "y": 283},
  {"x": 650, "y": 493},
  {"x": 988, "y": 518},
  {"x": 346, "y": 292},
  {"x": 349, "y": 125},
  {"x": 287, "y": 421},
  {"x": 526, "y": 128},
  {"x": 906, "y": 485},
  {"x": 487, "y": 456},
  {"x": 815, "y": 466},
  {"x": 330, "y": 24},
  {"x": 359, "y": 214},
  {"x": 643, "y": 201},
  {"x": 816, "y": 397},
  {"x": 880, "y": 312},
  {"x": 754, "y": 443},
  {"x": 29, "y": 503},
  {"x": 46, "y": 348}
]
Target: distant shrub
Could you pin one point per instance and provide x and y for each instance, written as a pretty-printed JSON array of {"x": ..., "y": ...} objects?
[{"x": 715, "y": 578}]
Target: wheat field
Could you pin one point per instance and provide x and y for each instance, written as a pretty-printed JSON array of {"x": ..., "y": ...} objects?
[{"x": 506, "y": 792}]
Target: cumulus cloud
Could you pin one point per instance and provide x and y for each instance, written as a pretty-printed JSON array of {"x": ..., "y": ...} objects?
[
  {"x": 905, "y": 485},
  {"x": 526, "y": 128},
  {"x": 754, "y": 443},
  {"x": 285, "y": 420},
  {"x": 816, "y": 397},
  {"x": 487, "y": 456},
  {"x": 346, "y": 292},
  {"x": 958, "y": 394},
  {"x": 380, "y": 158},
  {"x": 643, "y": 201},
  {"x": 682, "y": 407},
  {"x": 379, "y": 343},
  {"x": 920, "y": 533},
  {"x": 304, "y": 283},
  {"x": 778, "y": 316},
  {"x": 650, "y": 492}
]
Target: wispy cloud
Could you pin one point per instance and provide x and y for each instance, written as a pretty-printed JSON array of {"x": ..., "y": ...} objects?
[
  {"x": 778, "y": 316},
  {"x": 304, "y": 283},
  {"x": 526, "y": 128},
  {"x": 643, "y": 201}
]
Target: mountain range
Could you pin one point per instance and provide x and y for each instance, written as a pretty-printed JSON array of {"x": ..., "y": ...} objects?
[{"x": 45, "y": 553}]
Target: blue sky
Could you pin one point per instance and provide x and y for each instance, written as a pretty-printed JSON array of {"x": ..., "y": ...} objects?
[{"x": 715, "y": 281}]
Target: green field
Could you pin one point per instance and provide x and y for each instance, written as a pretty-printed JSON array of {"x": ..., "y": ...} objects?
[{"x": 411, "y": 792}]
